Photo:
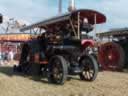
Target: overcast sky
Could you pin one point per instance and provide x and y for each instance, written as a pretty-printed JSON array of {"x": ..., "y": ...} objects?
[{"x": 36, "y": 10}]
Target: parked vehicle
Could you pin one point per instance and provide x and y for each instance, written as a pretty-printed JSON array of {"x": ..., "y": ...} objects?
[{"x": 59, "y": 51}]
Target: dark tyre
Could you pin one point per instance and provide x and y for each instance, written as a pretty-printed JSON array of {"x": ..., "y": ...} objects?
[
  {"x": 90, "y": 68},
  {"x": 57, "y": 70},
  {"x": 99, "y": 65}
]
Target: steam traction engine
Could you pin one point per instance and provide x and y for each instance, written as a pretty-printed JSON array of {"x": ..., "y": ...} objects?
[
  {"x": 60, "y": 48},
  {"x": 112, "y": 55}
]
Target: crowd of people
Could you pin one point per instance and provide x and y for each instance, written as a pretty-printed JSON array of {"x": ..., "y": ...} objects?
[{"x": 6, "y": 57}]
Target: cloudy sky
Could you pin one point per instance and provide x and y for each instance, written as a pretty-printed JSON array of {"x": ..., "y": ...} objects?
[{"x": 36, "y": 10}]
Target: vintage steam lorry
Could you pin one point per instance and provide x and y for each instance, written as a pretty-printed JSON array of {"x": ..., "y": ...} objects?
[
  {"x": 60, "y": 48},
  {"x": 112, "y": 54}
]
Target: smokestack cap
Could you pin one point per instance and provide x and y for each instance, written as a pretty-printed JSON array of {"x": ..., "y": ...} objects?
[{"x": 71, "y": 6}]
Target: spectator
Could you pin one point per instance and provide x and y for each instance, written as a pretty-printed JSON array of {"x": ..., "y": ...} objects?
[
  {"x": 10, "y": 55},
  {"x": 1, "y": 59}
]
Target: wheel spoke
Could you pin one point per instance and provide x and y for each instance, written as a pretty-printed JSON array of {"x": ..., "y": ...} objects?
[{"x": 91, "y": 75}]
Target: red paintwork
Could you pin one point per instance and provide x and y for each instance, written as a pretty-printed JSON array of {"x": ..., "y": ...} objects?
[
  {"x": 110, "y": 56},
  {"x": 87, "y": 42},
  {"x": 90, "y": 15}
]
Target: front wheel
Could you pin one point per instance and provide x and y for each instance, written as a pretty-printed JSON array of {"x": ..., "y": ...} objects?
[
  {"x": 89, "y": 68},
  {"x": 57, "y": 70}
]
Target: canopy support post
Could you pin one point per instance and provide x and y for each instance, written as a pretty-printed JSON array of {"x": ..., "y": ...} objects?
[
  {"x": 95, "y": 21},
  {"x": 75, "y": 33},
  {"x": 78, "y": 30}
]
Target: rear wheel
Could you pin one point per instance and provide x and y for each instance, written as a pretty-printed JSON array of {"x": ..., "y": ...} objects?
[
  {"x": 89, "y": 67},
  {"x": 111, "y": 56},
  {"x": 57, "y": 70}
]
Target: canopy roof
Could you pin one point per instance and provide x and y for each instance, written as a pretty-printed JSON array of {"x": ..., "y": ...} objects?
[
  {"x": 15, "y": 37},
  {"x": 62, "y": 19},
  {"x": 114, "y": 33}
]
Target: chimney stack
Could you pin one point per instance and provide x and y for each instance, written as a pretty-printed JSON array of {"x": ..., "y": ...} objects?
[
  {"x": 71, "y": 6},
  {"x": 60, "y": 7}
]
